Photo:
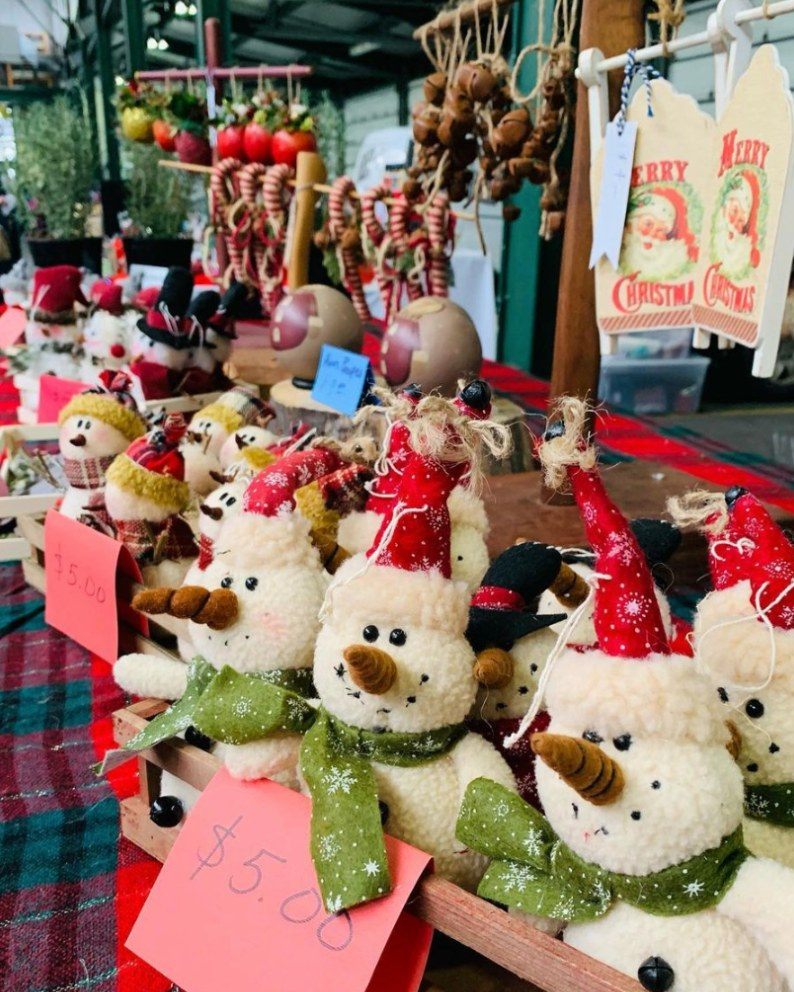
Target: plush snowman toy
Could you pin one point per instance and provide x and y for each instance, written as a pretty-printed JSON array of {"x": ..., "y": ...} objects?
[
  {"x": 159, "y": 345},
  {"x": 641, "y": 855},
  {"x": 94, "y": 427},
  {"x": 211, "y": 427},
  {"x": 145, "y": 495},
  {"x": 239, "y": 447},
  {"x": 52, "y": 313},
  {"x": 211, "y": 333},
  {"x": 470, "y": 527},
  {"x": 106, "y": 332},
  {"x": 255, "y": 611},
  {"x": 744, "y": 636}
]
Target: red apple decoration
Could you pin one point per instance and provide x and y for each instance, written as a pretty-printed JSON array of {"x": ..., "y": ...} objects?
[
  {"x": 164, "y": 135},
  {"x": 230, "y": 142},
  {"x": 287, "y": 144},
  {"x": 257, "y": 143},
  {"x": 193, "y": 148}
]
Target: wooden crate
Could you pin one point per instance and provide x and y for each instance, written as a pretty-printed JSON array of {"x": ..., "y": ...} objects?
[{"x": 511, "y": 943}]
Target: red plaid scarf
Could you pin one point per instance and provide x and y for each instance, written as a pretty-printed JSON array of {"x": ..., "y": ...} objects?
[
  {"x": 87, "y": 473},
  {"x": 344, "y": 489},
  {"x": 206, "y": 551},
  {"x": 153, "y": 543}
]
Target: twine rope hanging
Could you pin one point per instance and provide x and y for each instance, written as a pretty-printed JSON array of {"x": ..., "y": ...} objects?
[{"x": 670, "y": 15}]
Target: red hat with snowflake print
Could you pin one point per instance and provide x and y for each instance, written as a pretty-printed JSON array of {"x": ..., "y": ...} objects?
[
  {"x": 416, "y": 535},
  {"x": 396, "y": 454},
  {"x": 269, "y": 532},
  {"x": 769, "y": 563}
]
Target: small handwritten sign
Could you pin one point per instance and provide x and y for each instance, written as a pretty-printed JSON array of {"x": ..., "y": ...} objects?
[
  {"x": 341, "y": 377},
  {"x": 614, "y": 194},
  {"x": 54, "y": 394},
  {"x": 12, "y": 326},
  {"x": 236, "y": 905},
  {"x": 81, "y": 566}
]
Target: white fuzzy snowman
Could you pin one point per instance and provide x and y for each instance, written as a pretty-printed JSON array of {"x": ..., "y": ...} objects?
[
  {"x": 245, "y": 447},
  {"x": 145, "y": 496},
  {"x": 94, "y": 427},
  {"x": 107, "y": 332},
  {"x": 744, "y": 637},
  {"x": 210, "y": 428},
  {"x": 211, "y": 334},
  {"x": 160, "y": 342},
  {"x": 470, "y": 526},
  {"x": 392, "y": 658},
  {"x": 641, "y": 853},
  {"x": 52, "y": 308}
]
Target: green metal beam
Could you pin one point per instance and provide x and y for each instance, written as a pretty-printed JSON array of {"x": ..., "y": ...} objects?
[
  {"x": 134, "y": 42},
  {"x": 106, "y": 117},
  {"x": 20, "y": 96},
  {"x": 521, "y": 244},
  {"x": 223, "y": 11}
]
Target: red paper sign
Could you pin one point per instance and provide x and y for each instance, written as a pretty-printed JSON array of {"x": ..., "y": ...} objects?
[
  {"x": 236, "y": 905},
  {"x": 12, "y": 326},
  {"x": 54, "y": 394},
  {"x": 81, "y": 566}
]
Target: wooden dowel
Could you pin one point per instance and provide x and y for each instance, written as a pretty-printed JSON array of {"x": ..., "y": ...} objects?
[
  {"x": 171, "y": 163},
  {"x": 249, "y": 72},
  {"x": 466, "y": 12},
  {"x": 310, "y": 174}
]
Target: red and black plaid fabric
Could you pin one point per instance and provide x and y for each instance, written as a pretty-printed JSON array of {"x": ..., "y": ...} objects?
[
  {"x": 87, "y": 473},
  {"x": 147, "y": 542}
]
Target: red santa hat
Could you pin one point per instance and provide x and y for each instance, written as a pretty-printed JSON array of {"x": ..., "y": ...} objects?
[
  {"x": 628, "y": 682},
  {"x": 153, "y": 466},
  {"x": 107, "y": 295},
  {"x": 749, "y": 190},
  {"x": 56, "y": 289},
  {"x": 673, "y": 207},
  {"x": 397, "y": 450},
  {"x": 268, "y": 531}
]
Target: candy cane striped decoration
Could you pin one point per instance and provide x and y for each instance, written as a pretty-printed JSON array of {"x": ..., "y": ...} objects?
[
  {"x": 385, "y": 272},
  {"x": 250, "y": 186},
  {"x": 399, "y": 215},
  {"x": 276, "y": 195},
  {"x": 341, "y": 191},
  {"x": 439, "y": 233},
  {"x": 224, "y": 193}
]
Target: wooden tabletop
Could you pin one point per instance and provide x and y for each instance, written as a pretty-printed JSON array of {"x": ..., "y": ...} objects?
[{"x": 518, "y": 508}]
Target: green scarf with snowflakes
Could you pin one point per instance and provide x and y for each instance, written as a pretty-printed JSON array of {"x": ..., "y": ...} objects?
[
  {"x": 770, "y": 803},
  {"x": 205, "y": 684},
  {"x": 347, "y": 845},
  {"x": 534, "y": 871}
]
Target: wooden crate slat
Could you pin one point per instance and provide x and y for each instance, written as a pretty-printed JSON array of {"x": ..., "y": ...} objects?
[{"x": 14, "y": 549}]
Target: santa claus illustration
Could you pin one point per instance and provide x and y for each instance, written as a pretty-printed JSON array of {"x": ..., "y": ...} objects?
[
  {"x": 736, "y": 232},
  {"x": 658, "y": 241}
]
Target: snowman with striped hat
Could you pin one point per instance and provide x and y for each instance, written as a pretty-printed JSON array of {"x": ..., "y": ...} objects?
[
  {"x": 640, "y": 856},
  {"x": 744, "y": 638}
]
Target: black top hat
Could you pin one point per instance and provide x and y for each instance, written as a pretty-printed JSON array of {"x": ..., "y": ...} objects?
[
  {"x": 231, "y": 306},
  {"x": 173, "y": 299},
  {"x": 499, "y": 613}
]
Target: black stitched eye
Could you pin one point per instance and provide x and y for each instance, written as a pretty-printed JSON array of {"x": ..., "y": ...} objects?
[
  {"x": 754, "y": 708},
  {"x": 533, "y": 668},
  {"x": 752, "y": 767},
  {"x": 231, "y": 501},
  {"x": 722, "y": 694},
  {"x": 622, "y": 743},
  {"x": 251, "y": 583},
  {"x": 522, "y": 690},
  {"x": 370, "y": 633},
  {"x": 592, "y": 736},
  {"x": 398, "y": 637},
  {"x": 424, "y": 678},
  {"x": 226, "y": 582},
  {"x": 656, "y": 784}
]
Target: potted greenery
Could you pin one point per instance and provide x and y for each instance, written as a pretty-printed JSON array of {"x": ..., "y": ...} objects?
[
  {"x": 53, "y": 177},
  {"x": 157, "y": 205}
]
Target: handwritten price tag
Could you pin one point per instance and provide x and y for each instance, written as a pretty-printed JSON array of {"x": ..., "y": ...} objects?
[
  {"x": 12, "y": 326},
  {"x": 236, "y": 905},
  {"x": 81, "y": 566},
  {"x": 341, "y": 377},
  {"x": 613, "y": 195},
  {"x": 54, "y": 394}
]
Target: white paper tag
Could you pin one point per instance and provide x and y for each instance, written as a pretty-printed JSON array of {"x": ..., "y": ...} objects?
[{"x": 613, "y": 195}]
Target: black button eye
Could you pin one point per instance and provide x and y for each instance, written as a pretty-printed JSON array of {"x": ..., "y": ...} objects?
[
  {"x": 636, "y": 815},
  {"x": 754, "y": 708},
  {"x": 370, "y": 633},
  {"x": 722, "y": 694},
  {"x": 424, "y": 678},
  {"x": 656, "y": 975},
  {"x": 752, "y": 767},
  {"x": 226, "y": 581},
  {"x": 656, "y": 784},
  {"x": 533, "y": 668},
  {"x": 231, "y": 501},
  {"x": 622, "y": 743},
  {"x": 251, "y": 583},
  {"x": 592, "y": 736},
  {"x": 398, "y": 637},
  {"x": 460, "y": 557},
  {"x": 522, "y": 690}
]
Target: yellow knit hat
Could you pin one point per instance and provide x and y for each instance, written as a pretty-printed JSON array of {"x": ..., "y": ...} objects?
[
  {"x": 229, "y": 419},
  {"x": 104, "y": 407}
]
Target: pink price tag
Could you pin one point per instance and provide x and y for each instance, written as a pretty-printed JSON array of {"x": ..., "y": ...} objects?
[
  {"x": 12, "y": 326},
  {"x": 236, "y": 905},
  {"x": 54, "y": 394},
  {"x": 81, "y": 566}
]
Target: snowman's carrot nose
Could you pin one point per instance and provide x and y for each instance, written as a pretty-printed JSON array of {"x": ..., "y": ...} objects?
[
  {"x": 217, "y": 609},
  {"x": 494, "y": 668},
  {"x": 370, "y": 668},
  {"x": 583, "y": 765},
  {"x": 569, "y": 587}
]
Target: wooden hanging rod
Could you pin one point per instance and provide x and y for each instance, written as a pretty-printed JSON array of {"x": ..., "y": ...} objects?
[
  {"x": 169, "y": 163},
  {"x": 466, "y": 12},
  {"x": 249, "y": 72}
]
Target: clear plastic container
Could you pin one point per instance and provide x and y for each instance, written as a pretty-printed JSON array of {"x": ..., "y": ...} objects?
[
  {"x": 674, "y": 342},
  {"x": 652, "y": 385}
]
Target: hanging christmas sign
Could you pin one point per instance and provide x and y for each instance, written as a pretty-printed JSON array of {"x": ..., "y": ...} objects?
[
  {"x": 748, "y": 239},
  {"x": 653, "y": 284}
]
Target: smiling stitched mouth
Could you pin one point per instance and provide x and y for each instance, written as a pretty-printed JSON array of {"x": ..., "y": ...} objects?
[{"x": 601, "y": 830}]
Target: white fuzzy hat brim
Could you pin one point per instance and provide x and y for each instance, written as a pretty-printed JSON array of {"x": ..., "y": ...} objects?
[{"x": 251, "y": 540}]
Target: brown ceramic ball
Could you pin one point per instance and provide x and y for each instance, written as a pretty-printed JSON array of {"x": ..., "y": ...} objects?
[
  {"x": 434, "y": 87},
  {"x": 432, "y": 342}
]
